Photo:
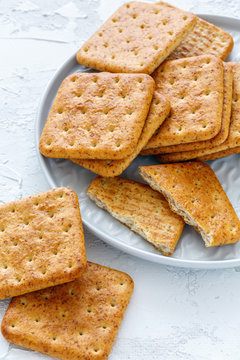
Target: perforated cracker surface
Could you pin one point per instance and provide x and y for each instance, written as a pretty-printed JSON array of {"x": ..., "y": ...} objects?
[
  {"x": 97, "y": 115},
  {"x": 158, "y": 112},
  {"x": 204, "y": 38},
  {"x": 142, "y": 209},
  {"x": 194, "y": 87},
  {"x": 42, "y": 242},
  {"x": 136, "y": 38},
  {"x": 78, "y": 320},
  {"x": 233, "y": 140},
  {"x": 220, "y": 137},
  {"x": 194, "y": 192}
]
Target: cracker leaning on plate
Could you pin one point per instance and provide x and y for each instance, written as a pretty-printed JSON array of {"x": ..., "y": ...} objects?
[
  {"x": 233, "y": 139},
  {"x": 204, "y": 38},
  {"x": 42, "y": 242},
  {"x": 194, "y": 192},
  {"x": 223, "y": 133},
  {"x": 138, "y": 37},
  {"x": 142, "y": 209},
  {"x": 194, "y": 87},
  {"x": 97, "y": 116},
  {"x": 158, "y": 112},
  {"x": 73, "y": 321}
]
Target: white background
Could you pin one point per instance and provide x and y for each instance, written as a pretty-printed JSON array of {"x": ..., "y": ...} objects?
[{"x": 174, "y": 313}]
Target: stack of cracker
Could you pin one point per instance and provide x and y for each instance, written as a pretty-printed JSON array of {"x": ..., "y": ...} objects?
[{"x": 42, "y": 245}]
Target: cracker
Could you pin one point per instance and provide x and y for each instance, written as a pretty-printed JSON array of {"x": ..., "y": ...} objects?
[
  {"x": 204, "y": 38},
  {"x": 140, "y": 208},
  {"x": 42, "y": 242},
  {"x": 220, "y": 154},
  {"x": 194, "y": 87},
  {"x": 158, "y": 112},
  {"x": 73, "y": 321},
  {"x": 233, "y": 140},
  {"x": 137, "y": 38},
  {"x": 223, "y": 133},
  {"x": 97, "y": 116},
  {"x": 194, "y": 192}
]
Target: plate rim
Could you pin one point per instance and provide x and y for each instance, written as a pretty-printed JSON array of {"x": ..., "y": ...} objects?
[{"x": 145, "y": 255}]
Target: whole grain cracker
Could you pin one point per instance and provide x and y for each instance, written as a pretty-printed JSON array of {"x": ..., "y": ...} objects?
[
  {"x": 204, "y": 38},
  {"x": 223, "y": 133},
  {"x": 138, "y": 37},
  {"x": 194, "y": 192},
  {"x": 194, "y": 87},
  {"x": 97, "y": 115},
  {"x": 73, "y": 321},
  {"x": 42, "y": 242},
  {"x": 233, "y": 140},
  {"x": 140, "y": 208},
  {"x": 220, "y": 154},
  {"x": 158, "y": 112}
]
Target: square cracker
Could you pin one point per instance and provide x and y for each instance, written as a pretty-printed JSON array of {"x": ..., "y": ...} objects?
[
  {"x": 204, "y": 38},
  {"x": 233, "y": 140},
  {"x": 194, "y": 87},
  {"x": 138, "y": 37},
  {"x": 140, "y": 208},
  {"x": 73, "y": 321},
  {"x": 97, "y": 116},
  {"x": 223, "y": 133},
  {"x": 194, "y": 192},
  {"x": 158, "y": 112},
  {"x": 220, "y": 154},
  {"x": 42, "y": 242}
]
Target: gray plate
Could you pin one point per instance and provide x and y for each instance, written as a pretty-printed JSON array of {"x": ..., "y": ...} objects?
[{"x": 190, "y": 251}]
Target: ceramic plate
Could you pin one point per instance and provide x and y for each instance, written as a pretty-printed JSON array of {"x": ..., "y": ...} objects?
[{"x": 190, "y": 251}]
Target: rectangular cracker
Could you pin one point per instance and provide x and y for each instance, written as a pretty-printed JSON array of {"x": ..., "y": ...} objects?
[
  {"x": 233, "y": 140},
  {"x": 42, "y": 242},
  {"x": 223, "y": 133},
  {"x": 158, "y": 112},
  {"x": 140, "y": 208},
  {"x": 137, "y": 38},
  {"x": 194, "y": 87},
  {"x": 220, "y": 154},
  {"x": 73, "y": 321},
  {"x": 97, "y": 116},
  {"x": 204, "y": 38},
  {"x": 194, "y": 192}
]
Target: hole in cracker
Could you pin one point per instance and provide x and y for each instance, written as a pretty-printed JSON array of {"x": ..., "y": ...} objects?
[
  {"x": 96, "y": 350},
  {"x": 98, "y": 288},
  {"x": 30, "y": 259},
  {"x": 15, "y": 243},
  {"x": 150, "y": 37},
  {"x": 204, "y": 126},
  {"x": 78, "y": 95},
  {"x": 156, "y": 47},
  {"x": 117, "y": 80},
  {"x": 49, "y": 142},
  {"x": 100, "y": 34},
  {"x": 156, "y": 11},
  {"x": 83, "y": 111},
  {"x": 122, "y": 95},
  {"x": 235, "y": 100},
  {"x": 129, "y": 112},
  {"x": 37, "y": 320},
  {"x": 170, "y": 33},
  {"x": 118, "y": 145},
  {"x": 71, "y": 292},
  {"x": 215, "y": 197},
  {"x": 141, "y": 64},
  {"x": 89, "y": 311},
  {"x": 142, "y": 26},
  {"x": 100, "y": 94},
  {"x": 192, "y": 201},
  {"x": 173, "y": 186},
  {"x": 40, "y": 237},
  {"x": 114, "y": 20},
  {"x": 36, "y": 202},
  {"x": 5, "y": 266},
  {"x": 195, "y": 78},
  {"x": 106, "y": 111},
  {"x": 128, "y": 41},
  {"x": 121, "y": 283},
  {"x": 128, "y": 6},
  {"x": 88, "y": 128},
  {"x": 86, "y": 49},
  {"x": 54, "y": 338},
  {"x": 65, "y": 129},
  {"x": 134, "y": 16},
  {"x": 104, "y": 327},
  {"x": 208, "y": 61},
  {"x": 164, "y": 22},
  {"x": 73, "y": 79},
  {"x": 111, "y": 128},
  {"x": 51, "y": 215},
  {"x": 26, "y": 222},
  {"x": 113, "y": 304},
  {"x": 81, "y": 333},
  {"x": 172, "y": 81},
  {"x": 13, "y": 325},
  {"x": 113, "y": 56},
  {"x": 212, "y": 216},
  {"x": 23, "y": 302},
  {"x": 55, "y": 252},
  {"x": 156, "y": 102},
  {"x": 94, "y": 143},
  {"x": 2, "y": 229},
  {"x": 207, "y": 93},
  {"x": 105, "y": 45},
  {"x": 13, "y": 211},
  {"x": 19, "y": 279},
  {"x": 185, "y": 18},
  {"x": 63, "y": 315},
  {"x": 120, "y": 30},
  {"x": 182, "y": 97},
  {"x": 44, "y": 271},
  {"x": 196, "y": 183},
  {"x": 136, "y": 52},
  {"x": 193, "y": 111},
  {"x": 46, "y": 297},
  {"x": 70, "y": 266},
  {"x": 184, "y": 66}
]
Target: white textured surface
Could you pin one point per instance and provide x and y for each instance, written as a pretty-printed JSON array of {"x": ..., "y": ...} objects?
[{"x": 174, "y": 313}]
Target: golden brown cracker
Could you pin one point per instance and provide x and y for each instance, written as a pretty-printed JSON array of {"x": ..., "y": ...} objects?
[
  {"x": 223, "y": 133},
  {"x": 158, "y": 112},
  {"x": 233, "y": 140},
  {"x": 220, "y": 154},
  {"x": 140, "y": 208},
  {"x": 42, "y": 242},
  {"x": 194, "y": 87},
  {"x": 137, "y": 38},
  {"x": 194, "y": 192},
  {"x": 97, "y": 115},
  {"x": 204, "y": 38},
  {"x": 73, "y": 321}
]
